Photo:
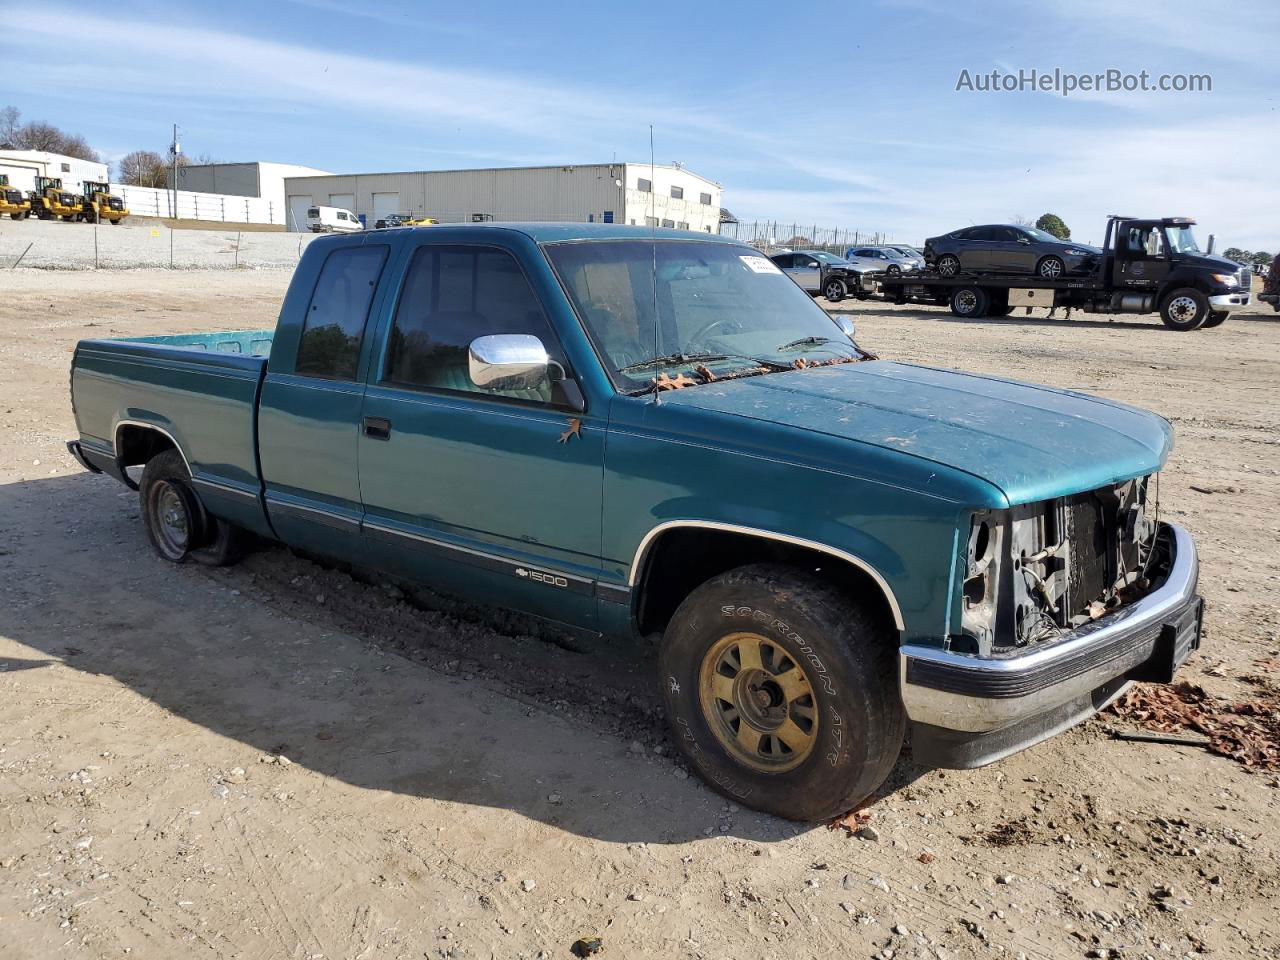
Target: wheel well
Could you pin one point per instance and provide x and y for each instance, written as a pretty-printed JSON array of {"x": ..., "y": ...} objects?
[
  {"x": 136, "y": 445},
  {"x": 683, "y": 558}
]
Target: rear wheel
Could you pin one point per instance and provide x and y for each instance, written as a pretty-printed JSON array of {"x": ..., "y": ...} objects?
[
  {"x": 835, "y": 290},
  {"x": 175, "y": 520},
  {"x": 781, "y": 692},
  {"x": 970, "y": 302},
  {"x": 171, "y": 512},
  {"x": 948, "y": 265},
  {"x": 1216, "y": 318},
  {"x": 1185, "y": 309}
]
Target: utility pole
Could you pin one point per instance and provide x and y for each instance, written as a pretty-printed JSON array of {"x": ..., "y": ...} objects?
[{"x": 175, "y": 149}]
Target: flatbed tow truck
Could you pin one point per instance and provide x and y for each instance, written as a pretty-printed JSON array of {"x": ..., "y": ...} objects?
[{"x": 1146, "y": 266}]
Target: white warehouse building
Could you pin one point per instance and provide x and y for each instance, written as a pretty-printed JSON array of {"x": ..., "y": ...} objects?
[
  {"x": 256, "y": 179},
  {"x": 23, "y": 166},
  {"x": 668, "y": 195}
]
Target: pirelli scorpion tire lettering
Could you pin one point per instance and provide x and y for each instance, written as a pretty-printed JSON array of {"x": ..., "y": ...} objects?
[{"x": 781, "y": 692}]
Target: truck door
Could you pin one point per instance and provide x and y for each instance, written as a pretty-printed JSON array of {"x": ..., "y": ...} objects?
[
  {"x": 1142, "y": 258},
  {"x": 309, "y": 411},
  {"x": 493, "y": 493}
]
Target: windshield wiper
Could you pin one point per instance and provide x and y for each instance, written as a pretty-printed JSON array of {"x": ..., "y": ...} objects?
[
  {"x": 670, "y": 358},
  {"x": 808, "y": 342},
  {"x": 673, "y": 358}
]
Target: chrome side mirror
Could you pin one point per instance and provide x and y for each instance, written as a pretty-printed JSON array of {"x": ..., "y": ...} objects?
[
  {"x": 508, "y": 361},
  {"x": 845, "y": 325}
]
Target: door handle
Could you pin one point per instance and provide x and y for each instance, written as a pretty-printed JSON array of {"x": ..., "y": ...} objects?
[{"x": 378, "y": 428}]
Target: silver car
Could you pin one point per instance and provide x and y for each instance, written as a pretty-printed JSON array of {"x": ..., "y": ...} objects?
[
  {"x": 888, "y": 259},
  {"x": 824, "y": 273}
]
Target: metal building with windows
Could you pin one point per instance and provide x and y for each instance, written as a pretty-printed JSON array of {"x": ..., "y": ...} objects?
[{"x": 668, "y": 195}]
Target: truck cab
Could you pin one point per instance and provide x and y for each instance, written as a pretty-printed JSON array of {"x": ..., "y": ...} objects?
[
  {"x": 49, "y": 200},
  {"x": 12, "y": 201},
  {"x": 1161, "y": 259},
  {"x": 101, "y": 204}
]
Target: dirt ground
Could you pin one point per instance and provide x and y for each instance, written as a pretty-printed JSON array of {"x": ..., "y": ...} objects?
[{"x": 458, "y": 783}]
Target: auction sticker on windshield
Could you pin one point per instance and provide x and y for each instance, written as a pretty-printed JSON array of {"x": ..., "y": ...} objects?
[{"x": 760, "y": 264}]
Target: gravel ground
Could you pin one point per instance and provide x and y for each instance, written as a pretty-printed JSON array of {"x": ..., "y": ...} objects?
[
  {"x": 459, "y": 783},
  {"x": 57, "y": 245}
]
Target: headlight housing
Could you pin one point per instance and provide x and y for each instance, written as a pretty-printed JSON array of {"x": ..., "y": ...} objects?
[
  {"x": 1226, "y": 279},
  {"x": 1037, "y": 570}
]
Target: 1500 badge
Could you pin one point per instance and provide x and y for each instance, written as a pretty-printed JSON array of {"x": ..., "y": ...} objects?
[{"x": 538, "y": 577}]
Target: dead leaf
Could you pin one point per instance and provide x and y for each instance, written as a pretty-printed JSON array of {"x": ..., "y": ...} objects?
[
  {"x": 851, "y": 822},
  {"x": 678, "y": 382},
  {"x": 573, "y": 430}
]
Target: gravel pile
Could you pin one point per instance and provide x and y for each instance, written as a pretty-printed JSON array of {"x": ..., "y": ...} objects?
[{"x": 57, "y": 245}]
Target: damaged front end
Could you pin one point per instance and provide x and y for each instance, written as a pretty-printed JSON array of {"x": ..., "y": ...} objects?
[
  {"x": 1064, "y": 603},
  {"x": 1037, "y": 570}
]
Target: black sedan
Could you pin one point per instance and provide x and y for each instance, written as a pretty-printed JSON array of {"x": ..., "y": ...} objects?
[
  {"x": 392, "y": 220},
  {"x": 1003, "y": 248}
]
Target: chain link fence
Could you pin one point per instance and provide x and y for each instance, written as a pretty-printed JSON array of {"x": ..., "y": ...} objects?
[{"x": 771, "y": 235}]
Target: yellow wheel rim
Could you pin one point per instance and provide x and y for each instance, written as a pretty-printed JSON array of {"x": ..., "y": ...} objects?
[{"x": 758, "y": 702}]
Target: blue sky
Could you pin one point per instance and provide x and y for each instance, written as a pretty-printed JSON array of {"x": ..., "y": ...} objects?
[{"x": 835, "y": 114}]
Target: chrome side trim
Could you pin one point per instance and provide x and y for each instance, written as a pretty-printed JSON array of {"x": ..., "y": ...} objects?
[
  {"x": 960, "y": 692},
  {"x": 219, "y": 486},
  {"x": 641, "y": 551}
]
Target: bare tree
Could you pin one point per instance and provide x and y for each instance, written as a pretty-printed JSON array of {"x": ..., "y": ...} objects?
[
  {"x": 143, "y": 168},
  {"x": 1019, "y": 220},
  {"x": 38, "y": 135},
  {"x": 10, "y": 123}
]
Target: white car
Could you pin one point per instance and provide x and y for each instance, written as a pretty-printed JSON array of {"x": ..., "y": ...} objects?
[{"x": 332, "y": 220}]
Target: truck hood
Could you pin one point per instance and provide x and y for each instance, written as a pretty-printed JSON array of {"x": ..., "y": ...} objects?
[{"x": 1031, "y": 442}]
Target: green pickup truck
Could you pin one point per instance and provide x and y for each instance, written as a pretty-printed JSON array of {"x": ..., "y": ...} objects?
[{"x": 657, "y": 433}]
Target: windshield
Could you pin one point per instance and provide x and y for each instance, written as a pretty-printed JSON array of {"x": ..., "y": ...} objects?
[
  {"x": 718, "y": 306},
  {"x": 1181, "y": 240}
]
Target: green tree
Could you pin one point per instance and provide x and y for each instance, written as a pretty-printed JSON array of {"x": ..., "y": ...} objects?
[
  {"x": 1238, "y": 255},
  {"x": 1261, "y": 259},
  {"x": 1052, "y": 223}
]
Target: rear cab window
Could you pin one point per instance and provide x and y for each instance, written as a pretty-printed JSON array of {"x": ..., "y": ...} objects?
[{"x": 338, "y": 313}]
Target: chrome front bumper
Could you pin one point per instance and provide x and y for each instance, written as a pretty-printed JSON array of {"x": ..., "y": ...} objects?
[
  {"x": 1230, "y": 301},
  {"x": 968, "y": 710}
]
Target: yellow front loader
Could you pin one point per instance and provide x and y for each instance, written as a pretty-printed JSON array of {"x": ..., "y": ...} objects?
[
  {"x": 49, "y": 201},
  {"x": 12, "y": 201},
  {"x": 101, "y": 204}
]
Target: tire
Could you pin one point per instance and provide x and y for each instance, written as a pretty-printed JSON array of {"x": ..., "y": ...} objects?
[
  {"x": 69, "y": 217},
  {"x": 970, "y": 302},
  {"x": 841, "y": 710},
  {"x": 893, "y": 270},
  {"x": 948, "y": 265},
  {"x": 1050, "y": 268},
  {"x": 1216, "y": 319},
  {"x": 835, "y": 290},
  {"x": 171, "y": 512},
  {"x": 116, "y": 221},
  {"x": 1185, "y": 309},
  {"x": 15, "y": 216}
]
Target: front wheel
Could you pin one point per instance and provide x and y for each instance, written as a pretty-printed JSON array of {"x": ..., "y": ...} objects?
[
  {"x": 1216, "y": 318},
  {"x": 1185, "y": 309},
  {"x": 835, "y": 290},
  {"x": 781, "y": 692},
  {"x": 949, "y": 266},
  {"x": 1050, "y": 268}
]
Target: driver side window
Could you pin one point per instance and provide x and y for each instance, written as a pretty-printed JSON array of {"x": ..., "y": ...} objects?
[{"x": 451, "y": 296}]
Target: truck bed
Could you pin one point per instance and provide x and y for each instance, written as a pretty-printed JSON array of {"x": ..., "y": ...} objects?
[
  {"x": 1081, "y": 282},
  {"x": 200, "y": 390}
]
